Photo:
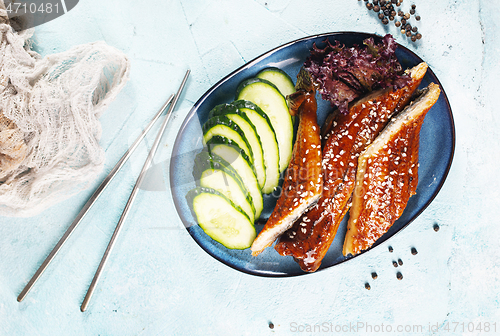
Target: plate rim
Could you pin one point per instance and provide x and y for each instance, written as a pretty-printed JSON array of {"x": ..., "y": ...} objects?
[{"x": 193, "y": 111}]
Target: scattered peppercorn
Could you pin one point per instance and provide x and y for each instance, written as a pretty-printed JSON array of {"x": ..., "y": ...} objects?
[
  {"x": 400, "y": 262},
  {"x": 388, "y": 10},
  {"x": 399, "y": 276},
  {"x": 394, "y": 263},
  {"x": 436, "y": 227},
  {"x": 374, "y": 275},
  {"x": 391, "y": 249},
  {"x": 271, "y": 325},
  {"x": 414, "y": 251},
  {"x": 417, "y": 17},
  {"x": 367, "y": 286},
  {"x": 418, "y": 36}
]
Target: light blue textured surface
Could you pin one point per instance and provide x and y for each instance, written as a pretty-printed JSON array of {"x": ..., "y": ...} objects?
[{"x": 159, "y": 282}]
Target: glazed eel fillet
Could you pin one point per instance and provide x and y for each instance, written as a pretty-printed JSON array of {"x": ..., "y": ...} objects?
[
  {"x": 310, "y": 237},
  {"x": 387, "y": 175},
  {"x": 303, "y": 183}
]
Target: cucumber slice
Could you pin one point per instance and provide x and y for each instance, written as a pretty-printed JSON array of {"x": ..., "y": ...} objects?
[
  {"x": 229, "y": 151},
  {"x": 211, "y": 171},
  {"x": 266, "y": 134},
  {"x": 265, "y": 95},
  {"x": 250, "y": 134},
  {"x": 221, "y": 219},
  {"x": 223, "y": 126},
  {"x": 279, "y": 78}
]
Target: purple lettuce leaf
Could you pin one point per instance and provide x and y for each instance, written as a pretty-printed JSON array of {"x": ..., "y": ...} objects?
[{"x": 343, "y": 74}]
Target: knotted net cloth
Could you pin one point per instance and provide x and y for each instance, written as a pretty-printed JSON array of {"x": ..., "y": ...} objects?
[{"x": 49, "y": 118}]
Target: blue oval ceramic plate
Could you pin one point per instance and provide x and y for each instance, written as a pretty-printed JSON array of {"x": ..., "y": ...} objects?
[{"x": 437, "y": 143}]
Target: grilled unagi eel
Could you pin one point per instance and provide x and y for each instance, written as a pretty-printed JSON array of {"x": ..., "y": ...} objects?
[
  {"x": 310, "y": 237},
  {"x": 303, "y": 183},
  {"x": 387, "y": 175}
]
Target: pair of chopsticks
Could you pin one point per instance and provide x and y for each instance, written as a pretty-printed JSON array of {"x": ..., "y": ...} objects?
[{"x": 172, "y": 101}]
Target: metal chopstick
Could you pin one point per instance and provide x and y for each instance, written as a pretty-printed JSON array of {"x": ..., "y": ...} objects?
[
  {"x": 131, "y": 199},
  {"x": 91, "y": 202}
]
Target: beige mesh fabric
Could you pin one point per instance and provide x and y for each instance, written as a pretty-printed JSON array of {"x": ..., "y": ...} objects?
[
  {"x": 49, "y": 126},
  {"x": 13, "y": 149}
]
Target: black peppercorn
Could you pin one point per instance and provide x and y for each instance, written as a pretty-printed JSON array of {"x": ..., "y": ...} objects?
[
  {"x": 381, "y": 16},
  {"x": 271, "y": 325},
  {"x": 413, "y": 38},
  {"x": 418, "y": 36},
  {"x": 412, "y": 11},
  {"x": 408, "y": 26},
  {"x": 385, "y": 21},
  {"x": 414, "y": 29},
  {"x": 374, "y": 275},
  {"x": 414, "y": 250},
  {"x": 436, "y": 227},
  {"x": 401, "y": 13},
  {"x": 386, "y": 12},
  {"x": 394, "y": 1},
  {"x": 391, "y": 18},
  {"x": 397, "y": 23},
  {"x": 403, "y": 21},
  {"x": 367, "y": 286},
  {"x": 382, "y": 2},
  {"x": 369, "y": 5},
  {"x": 394, "y": 263},
  {"x": 413, "y": 6},
  {"x": 399, "y": 276},
  {"x": 391, "y": 249},
  {"x": 375, "y": 2},
  {"x": 376, "y": 8},
  {"x": 400, "y": 262},
  {"x": 417, "y": 17}
]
